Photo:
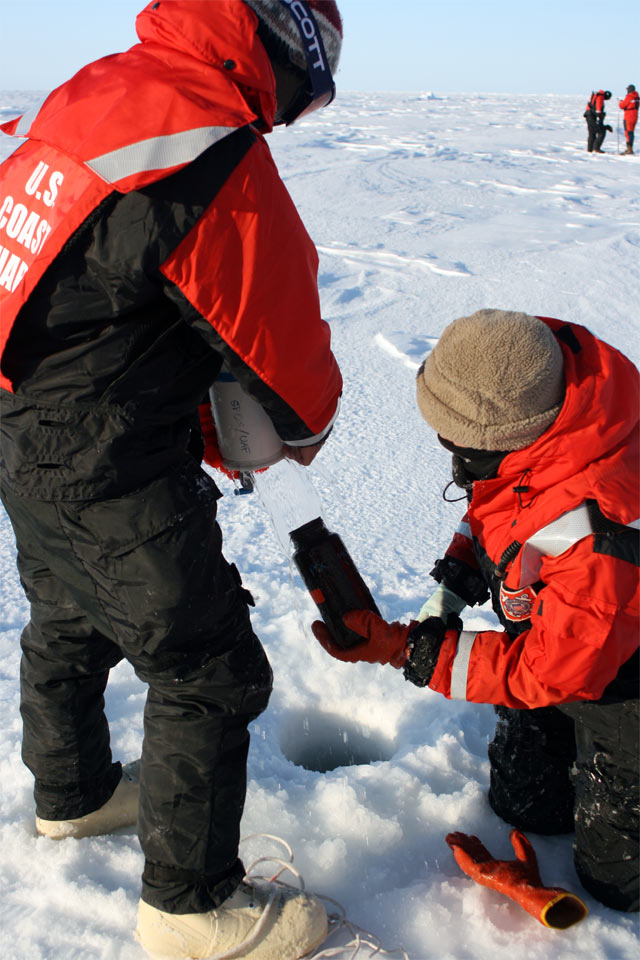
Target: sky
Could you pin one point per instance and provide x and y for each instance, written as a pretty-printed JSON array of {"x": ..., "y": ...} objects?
[
  {"x": 499, "y": 46},
  {"x": 423, "y": 208}
]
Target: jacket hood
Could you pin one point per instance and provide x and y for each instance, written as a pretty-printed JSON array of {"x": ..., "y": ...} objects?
[
  {"x": 199, "y": 66},
  {"x": 591, "y": 450},
  {"x": 216, "y": 34}
]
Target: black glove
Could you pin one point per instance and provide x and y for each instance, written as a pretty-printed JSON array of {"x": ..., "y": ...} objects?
[
  {"x": 462, "y": 579},
  {"x": 608, "y": 127},
  {"x": 424, "y": 643}
]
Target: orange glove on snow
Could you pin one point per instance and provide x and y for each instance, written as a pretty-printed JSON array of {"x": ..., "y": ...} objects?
[{"x": 518, "y": 879}]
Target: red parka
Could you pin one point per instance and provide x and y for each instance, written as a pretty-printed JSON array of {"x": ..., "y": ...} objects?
[
  {"x": 597, "y": 101},
  {"x": 578, "y": 600},
  {"x": 630, "y": 107},
  {"x": 130, "y": 120}
]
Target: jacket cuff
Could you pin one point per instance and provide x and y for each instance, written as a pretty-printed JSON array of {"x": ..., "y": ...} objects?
[{"x": 318, "y": 437}]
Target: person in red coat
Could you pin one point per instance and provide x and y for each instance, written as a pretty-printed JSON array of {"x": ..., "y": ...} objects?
[
  {"x": 146, "y": 239},
  {"x": 594, "y": 115},
  {"x": 542, "y": 421},
  {"x": 630, "y": 106}
]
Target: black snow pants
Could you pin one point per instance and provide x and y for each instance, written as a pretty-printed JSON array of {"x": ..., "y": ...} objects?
[
  {"x": 596, "y": 132},
  {"x": 142, "y": 577},
  {"x": 628, "y": 133},
  {"x": 558, "y": 769}
]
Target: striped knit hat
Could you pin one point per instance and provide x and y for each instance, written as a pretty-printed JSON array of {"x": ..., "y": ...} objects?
[
  {"x": 493, "y": 381},
  {"x": 282, "y": 24}
]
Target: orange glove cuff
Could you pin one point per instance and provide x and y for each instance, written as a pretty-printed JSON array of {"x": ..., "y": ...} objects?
[{"x": 563, "y": 910}]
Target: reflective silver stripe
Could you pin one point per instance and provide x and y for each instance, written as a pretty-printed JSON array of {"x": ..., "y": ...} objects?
[
  {"x": 552, "y": 540},
  {"x": 22, "y": 130},
  {"x": 156, "y": 153},
  {"x": 464, "y": 529},
  {"x": 563, "y": 532},
  {"x": 460, "y": 669}
]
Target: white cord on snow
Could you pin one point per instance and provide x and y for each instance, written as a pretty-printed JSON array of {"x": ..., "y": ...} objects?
[{"x": 360, "y": 939}]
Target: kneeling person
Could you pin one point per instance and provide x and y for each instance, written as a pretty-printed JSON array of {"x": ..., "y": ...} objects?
[{"x": 541, "y": 419}]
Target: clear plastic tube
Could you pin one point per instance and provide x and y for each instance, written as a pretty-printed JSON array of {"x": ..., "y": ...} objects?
[{"x": 289, "y": 497}]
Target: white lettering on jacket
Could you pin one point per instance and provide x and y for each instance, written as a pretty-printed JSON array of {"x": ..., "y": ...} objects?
[
  {"x": 26, "y": 227},
  {"x": 12, "y": 269},
  {"x": 34, "y": 181}
]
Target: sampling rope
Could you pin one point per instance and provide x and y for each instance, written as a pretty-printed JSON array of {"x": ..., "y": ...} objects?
[{"x": 359, "y": 940}]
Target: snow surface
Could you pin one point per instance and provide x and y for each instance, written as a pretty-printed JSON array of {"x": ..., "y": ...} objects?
[{"x": 424, "y": 208}]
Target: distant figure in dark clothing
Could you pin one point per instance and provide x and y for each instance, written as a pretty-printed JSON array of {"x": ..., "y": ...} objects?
[{"x": 594, "y": 115}]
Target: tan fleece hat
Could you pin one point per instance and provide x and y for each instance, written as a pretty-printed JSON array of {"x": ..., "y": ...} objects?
[{"x": 494, "y": 381}]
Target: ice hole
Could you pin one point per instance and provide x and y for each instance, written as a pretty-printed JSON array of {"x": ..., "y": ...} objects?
[{"x": 324, "y": 741}]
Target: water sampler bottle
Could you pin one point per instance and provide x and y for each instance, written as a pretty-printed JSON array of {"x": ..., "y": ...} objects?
[
  {"x": 246, "y": 436},
  {"x": 248, "y": 442},
  {"x": 331, "y": 577}
]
